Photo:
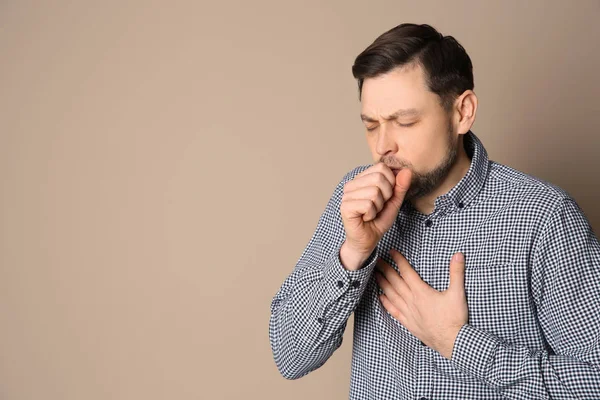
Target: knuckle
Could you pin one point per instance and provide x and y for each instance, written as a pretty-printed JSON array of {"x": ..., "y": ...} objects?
[
  {"x": 372, "y": 207},
  {"x": 375, "y": 192}
]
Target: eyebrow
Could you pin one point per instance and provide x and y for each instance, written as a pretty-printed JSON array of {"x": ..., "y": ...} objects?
[{"x": 398, "y": 113}]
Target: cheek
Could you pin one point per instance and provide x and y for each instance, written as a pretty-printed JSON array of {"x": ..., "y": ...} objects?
[{"x": 426, "y": 150}]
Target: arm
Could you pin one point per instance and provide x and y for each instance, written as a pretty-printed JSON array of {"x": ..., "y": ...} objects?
[
  {"x": 310, "y": 311},
  {"x": 566, "y": 289}
]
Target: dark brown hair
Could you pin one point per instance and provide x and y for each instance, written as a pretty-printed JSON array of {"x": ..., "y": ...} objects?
[{"x": 446, "y": 64}]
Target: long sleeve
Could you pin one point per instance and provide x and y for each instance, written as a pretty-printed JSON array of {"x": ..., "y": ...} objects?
[
  {"x": 565, "y": 283},
  {"x": 310, "y": 311}
]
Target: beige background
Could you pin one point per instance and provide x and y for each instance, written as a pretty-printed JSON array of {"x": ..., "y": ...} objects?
[{"x": 163, "y": 166}]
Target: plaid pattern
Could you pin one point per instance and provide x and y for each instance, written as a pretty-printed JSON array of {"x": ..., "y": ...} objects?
[{"x": 532, "y": 283}]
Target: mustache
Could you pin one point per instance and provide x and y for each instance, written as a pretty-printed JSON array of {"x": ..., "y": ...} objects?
[{"x": 394, "y": 164}]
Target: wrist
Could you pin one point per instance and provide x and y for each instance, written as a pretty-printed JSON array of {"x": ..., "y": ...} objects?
[
  {"x": 352, "y": 259},
  {"x": 447, "y": 343}
]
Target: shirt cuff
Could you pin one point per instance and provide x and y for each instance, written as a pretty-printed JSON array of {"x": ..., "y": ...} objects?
[
  {"x": 474, "y": 351},
  {"x": 340, "y": 281}
]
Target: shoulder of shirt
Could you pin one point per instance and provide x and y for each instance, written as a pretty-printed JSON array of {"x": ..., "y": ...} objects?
[{"x": 531, "y": 190}]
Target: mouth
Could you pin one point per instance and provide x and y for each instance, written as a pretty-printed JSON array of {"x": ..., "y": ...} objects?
[{"x": 394, "y": 168}]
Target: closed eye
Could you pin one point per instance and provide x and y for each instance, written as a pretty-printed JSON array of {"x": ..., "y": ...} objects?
[{"x": 397, "y": 123}]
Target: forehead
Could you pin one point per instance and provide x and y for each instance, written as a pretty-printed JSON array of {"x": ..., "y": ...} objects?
[{"x": 401, "y": 88}]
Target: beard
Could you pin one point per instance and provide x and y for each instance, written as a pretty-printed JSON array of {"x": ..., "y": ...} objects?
[{"x": 423, "y": 184}]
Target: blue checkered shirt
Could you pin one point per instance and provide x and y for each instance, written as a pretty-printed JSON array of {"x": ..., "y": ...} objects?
[{"x": 532, "y": 281}]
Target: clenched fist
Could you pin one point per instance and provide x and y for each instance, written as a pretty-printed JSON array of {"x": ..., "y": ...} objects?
[{"x": 370, "y": 205}]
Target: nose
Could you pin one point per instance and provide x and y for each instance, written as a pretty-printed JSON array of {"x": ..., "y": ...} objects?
[{"x": 385, "y": 140}]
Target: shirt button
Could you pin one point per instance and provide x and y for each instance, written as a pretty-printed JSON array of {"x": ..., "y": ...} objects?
[
  {"x": 340, "y": 283},
  {"x": 428, "y": 223},
  {"x": 356, "y": 284},
  {"x": 320, "y": 320},
  {"x": 461, "y": 205},
  {"x": 423, "y": 398}
]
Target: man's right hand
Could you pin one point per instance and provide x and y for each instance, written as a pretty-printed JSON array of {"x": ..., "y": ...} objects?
[{"x": 370, "y": 205}]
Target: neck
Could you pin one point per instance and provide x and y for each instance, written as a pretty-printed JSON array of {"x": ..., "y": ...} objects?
[{"x": 426, "y": 204}]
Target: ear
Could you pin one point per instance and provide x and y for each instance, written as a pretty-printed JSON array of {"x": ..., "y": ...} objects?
[{"x": 465, "y": 109}]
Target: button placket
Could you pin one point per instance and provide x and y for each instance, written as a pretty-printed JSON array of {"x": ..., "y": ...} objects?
[{"x": 426, "y": 256}]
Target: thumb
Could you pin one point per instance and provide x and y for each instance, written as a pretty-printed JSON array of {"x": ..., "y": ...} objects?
[
  {"x": 391, "y": 208},
  {"x": 403, "y": 180},
  {"x": 457, "y": 272}
]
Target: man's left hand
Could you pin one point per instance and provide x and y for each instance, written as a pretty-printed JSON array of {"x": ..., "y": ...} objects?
[{"x": 432, "y": 316}]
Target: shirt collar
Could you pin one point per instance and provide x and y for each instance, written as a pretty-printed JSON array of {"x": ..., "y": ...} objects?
[{"x": 467, "y": 189}]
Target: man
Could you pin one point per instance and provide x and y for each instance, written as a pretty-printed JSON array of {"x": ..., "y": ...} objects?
[{"x": 467, "y": 279}]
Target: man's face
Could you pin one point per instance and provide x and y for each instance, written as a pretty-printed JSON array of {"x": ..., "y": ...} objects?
[{"x": 420, "y": 136}]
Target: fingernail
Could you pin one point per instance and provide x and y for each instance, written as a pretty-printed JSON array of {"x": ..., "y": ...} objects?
[{"x": 458, "y": 257}]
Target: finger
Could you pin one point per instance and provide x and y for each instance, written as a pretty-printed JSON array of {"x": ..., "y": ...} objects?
[
  {"x": 387, "y": 172},
  {"x": 457, "y": 272},
  {"x": 374, "y": 178},
  {"x": 372, "y": 193},
  {"x": 392, "y": 309},
  {"x": 364, "y": 209},
  {"x": 394, "y": 279},
  {"x": 389, "y": 290},
  {"x": 407, "y": 272},
  {"x": 392, "y": 206},
  {"x": 401, "y": 185},
  {"x": 382, "y": 168}
]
